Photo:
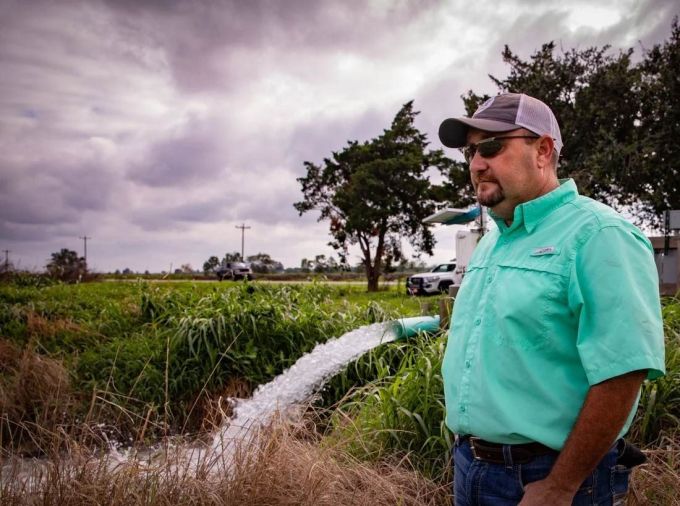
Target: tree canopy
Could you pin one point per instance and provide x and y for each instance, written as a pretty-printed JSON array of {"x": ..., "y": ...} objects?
[
  {"x": 211, "y": 264},
  {"x": 620, "y": 120},
  {"x": 376, "y": 193},
  {"x": 263, "y": 263},
  {"x": 66, "y": 265}
]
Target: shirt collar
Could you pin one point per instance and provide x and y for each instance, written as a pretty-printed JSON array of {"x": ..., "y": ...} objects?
[{"x": 530, "y": 214}]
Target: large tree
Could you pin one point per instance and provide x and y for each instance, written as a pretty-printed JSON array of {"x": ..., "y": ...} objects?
[
  {"x": 376, "y": 193},
  {"x": 658, "y": 153},
  {"x": 620, "y": 120}
]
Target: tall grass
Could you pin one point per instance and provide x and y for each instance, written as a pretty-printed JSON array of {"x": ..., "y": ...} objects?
[
  {"x": 150, "y": 358},
  {"x": 402, "y": 411},
  {"x": 160, "y": 354},
  {"x": 286, "y": 466}
]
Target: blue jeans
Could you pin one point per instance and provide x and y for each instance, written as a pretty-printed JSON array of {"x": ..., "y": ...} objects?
[{"x": 477, "y": 483}]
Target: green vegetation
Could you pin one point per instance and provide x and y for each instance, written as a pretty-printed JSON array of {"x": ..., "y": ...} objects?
[
  {"x": 402, "y": 411},
  {"x": 161, "y": 352},
  {"x": 618, "y": 115},
  {"x": 147, "y": 359}
]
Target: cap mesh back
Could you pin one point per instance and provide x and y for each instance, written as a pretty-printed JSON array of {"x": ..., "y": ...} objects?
[{"x": 533, "y": 115}]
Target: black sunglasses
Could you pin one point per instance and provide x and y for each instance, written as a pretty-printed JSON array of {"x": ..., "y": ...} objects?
[{"x": 490, "y": 147}]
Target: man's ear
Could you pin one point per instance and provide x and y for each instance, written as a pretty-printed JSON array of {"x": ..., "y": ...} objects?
[{"x": 545, "y": 149}]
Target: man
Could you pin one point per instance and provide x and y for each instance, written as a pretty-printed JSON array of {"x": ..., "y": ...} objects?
[{"x": 555, "y": 327}]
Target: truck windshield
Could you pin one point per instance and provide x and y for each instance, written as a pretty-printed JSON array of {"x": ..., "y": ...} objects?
[{"x": 444, "y": 268}]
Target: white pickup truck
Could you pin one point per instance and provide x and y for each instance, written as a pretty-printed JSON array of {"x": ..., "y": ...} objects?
[
  {"x": 234, "y": 271},
  {"x": 444, "y": 275},
  {"x": 437, "y": 280}
]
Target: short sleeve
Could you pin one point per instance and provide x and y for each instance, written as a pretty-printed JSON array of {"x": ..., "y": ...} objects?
[{"x": 614, "y": 292}]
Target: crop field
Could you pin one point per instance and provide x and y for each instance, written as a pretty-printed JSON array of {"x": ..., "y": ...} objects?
[{"x": 143, "y": 362}]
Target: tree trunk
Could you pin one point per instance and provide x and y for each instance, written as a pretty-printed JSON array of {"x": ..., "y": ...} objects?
[
  {"x": 373, "y": 270},
  {"x": 372, "y": 275}
]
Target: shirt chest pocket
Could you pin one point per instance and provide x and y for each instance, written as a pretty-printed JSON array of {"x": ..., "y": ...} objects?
[{"x": 529, "y": 303}]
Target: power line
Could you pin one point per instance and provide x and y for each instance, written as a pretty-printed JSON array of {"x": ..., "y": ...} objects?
[
  {"x": 243, "y": 230},
  {"x": 85, "y": 238}
]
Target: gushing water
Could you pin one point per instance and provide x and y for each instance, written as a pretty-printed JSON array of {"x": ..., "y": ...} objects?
[{"x": 294, "y": 385}]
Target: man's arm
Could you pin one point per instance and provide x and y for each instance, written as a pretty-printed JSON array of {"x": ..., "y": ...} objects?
[{"x": 604, "y": 412}]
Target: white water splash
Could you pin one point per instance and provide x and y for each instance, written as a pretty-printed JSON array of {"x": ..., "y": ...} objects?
[{"x": 293, "y": 386}]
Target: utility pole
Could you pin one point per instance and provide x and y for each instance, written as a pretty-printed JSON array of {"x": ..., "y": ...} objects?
[
  {"x": 6, "y": 259},
  {"x": 85, "y": 238},
  {"x": 243, "y": 229}
]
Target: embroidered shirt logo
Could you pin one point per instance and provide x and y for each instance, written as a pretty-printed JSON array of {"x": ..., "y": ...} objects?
[{"x": 545, "y": 250}]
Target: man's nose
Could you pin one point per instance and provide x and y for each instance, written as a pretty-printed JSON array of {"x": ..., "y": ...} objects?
[{"x": 478, "y": 164}]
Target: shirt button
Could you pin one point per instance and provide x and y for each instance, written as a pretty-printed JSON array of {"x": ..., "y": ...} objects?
[
  {"x": 478, "y": 321},
  {"x": 489, "y": 279},
  {"x": 468, "y": 364},
  {"x": 462, "y": 409}
]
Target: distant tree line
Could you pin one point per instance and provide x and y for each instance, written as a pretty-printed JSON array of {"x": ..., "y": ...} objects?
[{"x": 260, "y": 263}]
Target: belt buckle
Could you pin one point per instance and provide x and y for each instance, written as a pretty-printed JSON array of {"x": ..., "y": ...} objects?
[{"x": 473, "y": 448}]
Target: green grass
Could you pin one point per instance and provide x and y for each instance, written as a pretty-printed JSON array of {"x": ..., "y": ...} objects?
[
  {"x": 159, "y": 350},
  {"x": 149, "y": 350}
]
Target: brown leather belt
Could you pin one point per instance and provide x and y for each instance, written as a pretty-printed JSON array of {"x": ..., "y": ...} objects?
[{"x": 493, "y": 452}]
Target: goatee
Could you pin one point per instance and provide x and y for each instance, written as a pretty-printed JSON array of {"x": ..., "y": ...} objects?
[{"x": 491, "y": 199}]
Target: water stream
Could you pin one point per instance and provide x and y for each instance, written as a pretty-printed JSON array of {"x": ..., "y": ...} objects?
[{"x": 295, "y": 385}]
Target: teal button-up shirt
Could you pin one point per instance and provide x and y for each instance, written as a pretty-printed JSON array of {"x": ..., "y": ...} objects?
[{"x": 564, "y": 298}]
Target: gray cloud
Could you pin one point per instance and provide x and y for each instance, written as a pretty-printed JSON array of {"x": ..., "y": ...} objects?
[
  {"x": 154, "y": 218},
  {"x": 150, "y": 124},
  {"x": 190, "y": 157},
  {"x": 318, "y": 138},
  {"x": 213, "y": 45},
  {"x": 51, "y": 193}
]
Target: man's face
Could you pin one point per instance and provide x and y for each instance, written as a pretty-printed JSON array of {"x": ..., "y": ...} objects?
[{"x": 509, "y": 178}]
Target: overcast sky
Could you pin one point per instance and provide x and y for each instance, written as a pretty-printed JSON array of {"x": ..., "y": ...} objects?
[{"x": 157, "y": 127}]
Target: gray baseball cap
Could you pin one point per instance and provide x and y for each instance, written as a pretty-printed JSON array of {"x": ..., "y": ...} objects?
[{"x": 503, "y": 113}]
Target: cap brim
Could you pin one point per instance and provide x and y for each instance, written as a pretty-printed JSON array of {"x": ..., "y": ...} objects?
[{"x": 453, "y": 131}]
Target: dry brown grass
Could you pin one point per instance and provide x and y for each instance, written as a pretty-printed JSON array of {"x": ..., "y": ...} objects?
[
  {"x": 287, "y": 466},
  {"x": 210, "y": 410},
  {"x": 35, "y": 399},
  {"x": 657, "y": 482},
  {"x": 41, "y": 327},
  {"x": 291, "y": 464}
]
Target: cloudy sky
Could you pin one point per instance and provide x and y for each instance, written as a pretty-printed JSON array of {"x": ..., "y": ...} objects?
[{"x": 156, "y": 127}]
